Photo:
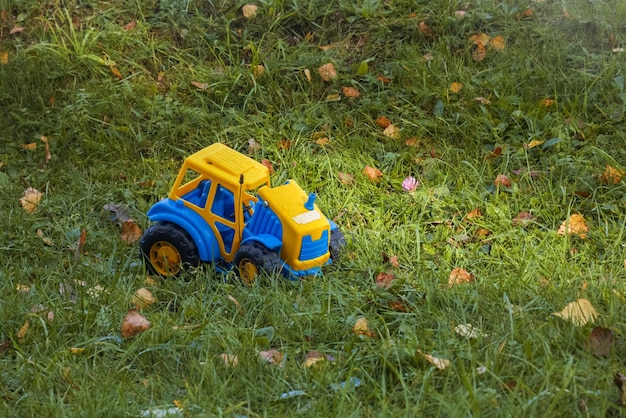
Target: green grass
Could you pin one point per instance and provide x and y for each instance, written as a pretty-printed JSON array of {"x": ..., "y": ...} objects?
[{"x": 110, "y": 137}]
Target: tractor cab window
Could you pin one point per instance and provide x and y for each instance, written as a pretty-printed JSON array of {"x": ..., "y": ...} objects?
[
  {"x": 194, "y": 189},
  {"x": 223, "y": 206}
]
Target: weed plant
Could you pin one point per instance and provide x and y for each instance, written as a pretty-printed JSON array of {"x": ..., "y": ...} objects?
[{"x": 125, "y": 90}]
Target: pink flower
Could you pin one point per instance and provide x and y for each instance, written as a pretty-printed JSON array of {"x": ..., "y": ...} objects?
[{"x": 410, "y": 184}]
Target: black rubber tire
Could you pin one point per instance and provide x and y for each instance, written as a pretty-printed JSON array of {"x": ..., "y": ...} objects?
[
  {"x": 337, "y": 242},
  {"x": 169, "y": 234},
  {"x": 260, "y": 257}
]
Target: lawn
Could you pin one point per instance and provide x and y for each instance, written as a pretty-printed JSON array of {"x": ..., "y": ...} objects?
[{"x": 471, "y": 152}]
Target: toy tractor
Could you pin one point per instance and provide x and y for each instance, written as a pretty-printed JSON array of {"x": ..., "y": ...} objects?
[{"x": 223, "y": 210}]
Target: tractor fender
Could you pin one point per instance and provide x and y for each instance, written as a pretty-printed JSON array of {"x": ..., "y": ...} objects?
[
  {"x": 269, "y": 241},
  {"x": 168, "y": 210}
]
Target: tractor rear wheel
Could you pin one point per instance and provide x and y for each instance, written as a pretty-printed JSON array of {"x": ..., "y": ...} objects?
[
  {"x": 254, "y": 258},
  {"x": 337, "y": 242},
  {"x": 167, "y": 249}
]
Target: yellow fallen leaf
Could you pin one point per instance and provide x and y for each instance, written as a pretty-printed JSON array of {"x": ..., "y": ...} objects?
[
  {"x": 312, "y": 358},
  {"x": 307, "y": 74},
  {"x": 45, "y": 239},
  {"x": 612, "y": 175},
  {"x": 30, "y": 199},
  {"x": 273, "y": 356},
  {"x": 576, "y": 225},
  {"x": 22, "y": 332},
  {"x": 30, "y": 146},
  {"x": 77, "y": 350},
  {"x": 362, "y": 327},
  {"x": 479, "y": 52},
  {"x": 116, "y": 72},
  {"x": 456, "y": 87},
  {"x": 350, "y": 92},
  {"x": 199, "y": 85},
  {"x": 392, "y": 131},
  {"x": 258, "y": 71},
  {"x": 327, "y": 72},
  {"x": 579, "y": 312},
  {"x": 480, "y": 39},
  {"x": 547, "y": 102},
  {"x": 4, "y": 57},
  {"x": 532, "y": 144},
  {"x": 440, "y": 363},
  {"x": 498, "y": 43},
  {"x": 142, "y": 298}
]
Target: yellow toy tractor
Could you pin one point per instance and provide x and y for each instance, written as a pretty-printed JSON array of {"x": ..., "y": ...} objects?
[{"x": 223, "y": 210}]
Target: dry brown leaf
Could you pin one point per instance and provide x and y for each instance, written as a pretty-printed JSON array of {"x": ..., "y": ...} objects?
[
  {"x": 273, "y": 356},
  {"x": 523, "y": 218},
  {"x": 350, "y": 92},
  {"x": 44, "y": 139},
  {"x": 327, "y": 72},
  {"x": 383, "y": 121},
  {"x": 45, "y": 239},
  {"x": 398, "y": 306},
  {"x": 482, "y": 100},
  {"x": 373, "y": 173},
  {"x": 385, "y": 280},
  {"x": 459, "y": 275},
  {"x": 30, "y": 200},
  {"x": 474, "y": 214},
  {"x": 362, "y": 327},
  {"x": 502, "y": 180},
  {"x": 4, "y": 57},
  {"x": 412, "y": 142},
  {"x": 322, "y": 141},
  {"x": 249, "y": 10},
  {"x": 346, "y": 178},
  {"x": 601, "y": 341},
  {"x": 307, "y": 74},
  {"x": 620, "y": 381},
  {"x": 469, "y": 331},
  {"x": 116, "y": 72},
  {"x": 424, "y": 29},
  {"x": 142, "y": 298},
  {"x": 579, "y": 312},
  {"x": 30, "y": 146},
  {"x": 612, "y": 175},
  {"x": 456, "y": 87},
  {"x": 130, "y": 26},
  {"x": 498, "y": 43},
  {"x": 440, "y": 363},
  {"x": 258, "y": 71},
  {"x": 131, "y": 232},
  {"x": 267, "y": 163},
  {"x": 576, "y": 225},
  {"x": 383, "y": 79},
  {"x": 392, "y": 131},
  {"x": 229, "y": 360},
  {"x": 547, "y": 102},
  {"x": 16, "y": 29},
  {"x": 199, "y": 85},
  {"x": 253, "y": 146},
  {"x": 312, "y": 358},
  {"x": 479, "y": 52},
  {"x": 80, "y": 245},
  {"x": 134, "y": 323}
]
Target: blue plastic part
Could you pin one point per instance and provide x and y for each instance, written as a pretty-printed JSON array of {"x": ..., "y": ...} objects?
[
  {"x": 177, "y": 213},
  {"x": 264, "y": 221},
  {"x": 292, "y": 274},
  {"x": 269, "y": 241},
  {"x": 309, "y": 205},
  {"x": 313, "y": 248}
]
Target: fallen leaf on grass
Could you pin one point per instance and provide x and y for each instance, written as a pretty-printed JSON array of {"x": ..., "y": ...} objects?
[
  {"x": 523, "y": 218},
  {"x": 474, "y": 214},
  {"x": 131, "y": 25},
  {"x": 362, "y": 327},
  {"x": 44, "y": 139},
  {"x": 249, "y": 10},
  {"x": 579, "y": 312},
  {"x": 459, "y": 275},
  {"x": 392, "y": 131},
  {"x": 142, "y": 298},
  {"x": 385, "y": 280},
  {"x": 479, "y": 52},
  {"x": 116, "y": 72},
  {"x": 16, "y": 29},
  {"x": 480, "y": 39},
  {"x": 267, "y": 163},
  {"x": 440, "y": 363},
  {"x": 345, "y": 178},
  {"x": 45, "y": 239},
  {"x": 532, "y": 144},
  {"x": 383, "y": 121},
  {"x": 576, "y": 225},
  {"x": 134, "y": 323},
  {"x": 373, "y": 173},
  {"x": 199, "y": 85},
  {"x": 498, "y": 43},
  {"x": 312, "y": 358},
  {"x": 612, "y": 175},
  {"x": 307, "y": 74},
  {"x": 482, "y": 100},
  {"x": 117, "y": 212},
  {"x": 601, "y": 341},
  {"x": 273, "y": 356},
  {"x": 547, "y": 102},
  {"x": 253, "y": 146},
  {"x": 327, "y": 72},
  {"x": 229, "y": 360},
  {"x": 350, "y": 92},
  {"x": 30, "y": 200},
  {"x": 469, "y": 331},
  {"x": 4, "y": 57},
  {"x": 456, "y": 87},
  {"x": 131, "y": 232},
  {"x": 22, "y": 332},
  {"x": 502, "y": 180}
]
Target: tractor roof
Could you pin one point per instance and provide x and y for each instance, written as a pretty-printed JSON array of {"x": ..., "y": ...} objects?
[{"x": 224, "y": 164}]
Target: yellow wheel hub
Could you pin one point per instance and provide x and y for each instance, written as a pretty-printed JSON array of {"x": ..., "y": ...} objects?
[
  {"x": 248, "y": 271},
  {"x": 165, "y": 258}
]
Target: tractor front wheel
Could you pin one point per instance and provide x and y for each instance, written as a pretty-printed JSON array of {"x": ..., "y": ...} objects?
[
  {"x": 252, "y": 259},
  {"x": 167, "y": 249}
]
